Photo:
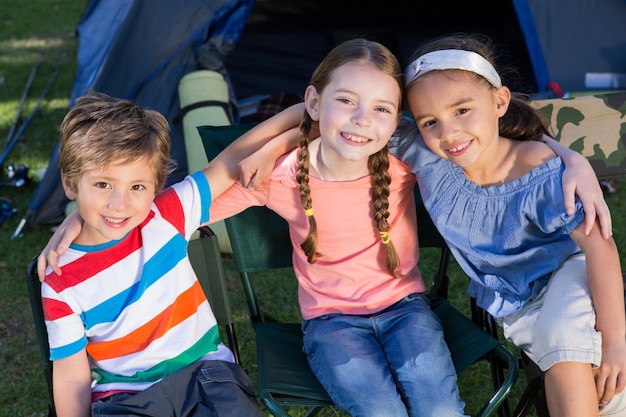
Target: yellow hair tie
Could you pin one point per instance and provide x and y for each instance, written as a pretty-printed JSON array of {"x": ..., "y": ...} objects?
[
  {"x": 308, "y": 212},
  {"x": 384, "y": 236}
]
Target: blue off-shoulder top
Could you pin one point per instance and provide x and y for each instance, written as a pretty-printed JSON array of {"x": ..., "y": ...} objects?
[{"x": 507, "y": 238}]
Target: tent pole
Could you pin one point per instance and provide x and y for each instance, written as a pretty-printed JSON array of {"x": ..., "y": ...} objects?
[
  {"x": 16, "y": 137},
  {"x": 18, "y": 113}
]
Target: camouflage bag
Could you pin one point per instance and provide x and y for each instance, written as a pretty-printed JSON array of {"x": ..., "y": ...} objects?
[{"x": 594, "y": 125}]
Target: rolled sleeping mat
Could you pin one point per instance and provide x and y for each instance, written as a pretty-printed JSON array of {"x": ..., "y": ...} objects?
[{"x": 204, "y": 100}]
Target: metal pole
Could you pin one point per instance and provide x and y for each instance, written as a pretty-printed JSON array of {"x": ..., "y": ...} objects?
[{"x": 18, "y": 114}]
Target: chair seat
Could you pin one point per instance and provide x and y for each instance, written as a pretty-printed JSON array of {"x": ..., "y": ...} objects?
[
  {"x": 465, "y": 339},
  {"x": 284, "y": 372}
]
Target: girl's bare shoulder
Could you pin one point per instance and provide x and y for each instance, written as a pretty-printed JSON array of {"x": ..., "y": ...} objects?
[{"x": 534, "y": 152}]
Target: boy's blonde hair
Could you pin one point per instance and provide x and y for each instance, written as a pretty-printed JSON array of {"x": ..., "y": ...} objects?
[
  {"x": 100, "y": 130},
  {"x": 364, "y": 51}
]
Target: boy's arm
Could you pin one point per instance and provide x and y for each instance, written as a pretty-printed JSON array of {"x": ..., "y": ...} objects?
[
  {"x": 607, "y": 292},
  {"x": 580, "y": 179},
  {"x": 71, "y": 381},
  {"x": 224, "y": 169},
  {"x": 254, "y": 169}
]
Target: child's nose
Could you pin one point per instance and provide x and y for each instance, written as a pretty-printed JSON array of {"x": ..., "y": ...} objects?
[
  {"x": 360, "y": 118},
  {"x": 118, "y": 200},
  {"x": 447, "y": 130}
]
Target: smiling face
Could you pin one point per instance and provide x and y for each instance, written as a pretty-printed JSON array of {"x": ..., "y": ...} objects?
[
  {"x": 457, "y": 114},
  {"x": 357, "y": 112},
  {"x": 112, "y": 200}
]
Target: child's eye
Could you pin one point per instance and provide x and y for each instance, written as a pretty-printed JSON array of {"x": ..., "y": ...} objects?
[
  {"x": 428, "y": 123},
  {"x": 138, "y": 187},
  {"x": 462, "y": 111},
  {"x": 102, "y": 185},
  {"x": 383, "y": 110},
  {"x": 344, "y": 100}
]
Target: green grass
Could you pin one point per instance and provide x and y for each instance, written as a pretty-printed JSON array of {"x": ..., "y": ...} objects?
[
  {"x": 31, "y": 32},
  {"x": 43, "y": 31}
]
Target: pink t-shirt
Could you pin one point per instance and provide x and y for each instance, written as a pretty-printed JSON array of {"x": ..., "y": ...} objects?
[{"x": 350, "y": 277}]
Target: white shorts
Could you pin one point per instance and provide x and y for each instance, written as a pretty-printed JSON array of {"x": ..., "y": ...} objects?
[{"x": 559, "y": 325}]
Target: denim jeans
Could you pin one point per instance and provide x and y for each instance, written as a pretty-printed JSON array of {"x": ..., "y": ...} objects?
[{"x": 393, "y": 363}]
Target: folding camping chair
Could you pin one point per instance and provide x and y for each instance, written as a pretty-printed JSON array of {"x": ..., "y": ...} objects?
[
  {"x": 206, "y": 259},
  {"x": 260, "y": 241}
]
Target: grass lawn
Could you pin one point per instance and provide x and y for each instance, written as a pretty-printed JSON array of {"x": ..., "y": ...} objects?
[{"x": 41, "y": 32}]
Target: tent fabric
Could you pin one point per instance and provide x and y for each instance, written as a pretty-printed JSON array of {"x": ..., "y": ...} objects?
[
  {"x": 533, "y": 44},
  {"x": 579, "y": 37},
  {"x": 139, "y": 50}
]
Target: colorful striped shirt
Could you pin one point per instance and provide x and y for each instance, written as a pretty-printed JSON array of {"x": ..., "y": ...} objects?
[{"x": 135, "y": 303}]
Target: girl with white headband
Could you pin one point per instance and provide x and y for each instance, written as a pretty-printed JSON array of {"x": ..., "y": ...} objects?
[{"x": 493, "y": 189}]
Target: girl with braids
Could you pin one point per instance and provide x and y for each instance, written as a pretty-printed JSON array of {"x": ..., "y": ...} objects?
[{"x": 369, "y": 334}]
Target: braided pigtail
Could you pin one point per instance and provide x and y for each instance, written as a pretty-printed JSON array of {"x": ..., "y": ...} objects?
[
  {"x": 357, "y": 51},
  {"x": 309, "y": 244},
  {"x": 378, "y": 165}
]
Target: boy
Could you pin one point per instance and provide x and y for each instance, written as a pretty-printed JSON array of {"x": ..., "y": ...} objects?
[{"x": 130, "y": 330}]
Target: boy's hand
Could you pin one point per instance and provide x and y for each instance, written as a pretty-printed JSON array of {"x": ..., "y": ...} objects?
[
  {"x": 257, "y": 167},
  {"x": 254, "y": 169},
  {"x": 59, "y": 242}
]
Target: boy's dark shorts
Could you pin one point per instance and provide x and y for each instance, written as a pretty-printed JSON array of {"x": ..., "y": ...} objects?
[{"x": 206, "y": 388}]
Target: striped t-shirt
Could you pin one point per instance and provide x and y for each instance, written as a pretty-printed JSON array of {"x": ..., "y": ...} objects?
[{"x": 135, "y": 303}]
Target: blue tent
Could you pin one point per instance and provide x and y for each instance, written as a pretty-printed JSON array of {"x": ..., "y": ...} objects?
[{"x": 139, "y": 50}]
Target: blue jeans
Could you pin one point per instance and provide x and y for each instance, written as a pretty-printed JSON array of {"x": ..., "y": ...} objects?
[{"x": 393, "y": 363}]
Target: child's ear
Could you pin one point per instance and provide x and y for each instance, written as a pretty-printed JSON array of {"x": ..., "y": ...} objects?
[
  {"x": 67, "y": 187},
  {"x": 311, "y": 102},
  {"x": 502, "y": 98}
]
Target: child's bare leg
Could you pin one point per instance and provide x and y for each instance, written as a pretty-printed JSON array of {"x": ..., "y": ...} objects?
[{"x": 571, "y": 390}]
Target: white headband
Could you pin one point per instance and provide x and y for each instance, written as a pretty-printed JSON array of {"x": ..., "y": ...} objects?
[{"x": 452, "y": 59}]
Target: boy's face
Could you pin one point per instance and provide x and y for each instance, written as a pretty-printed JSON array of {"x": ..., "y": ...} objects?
[{"x": 113, "y": 200}]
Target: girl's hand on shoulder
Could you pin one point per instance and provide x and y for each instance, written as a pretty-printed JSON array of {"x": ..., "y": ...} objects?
[
  {"x": 580, "y": 179},
  {"x": 59, "y": 242},
  {"x": 257, "y": 167},
  {"x": 611, "y": 376}
]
